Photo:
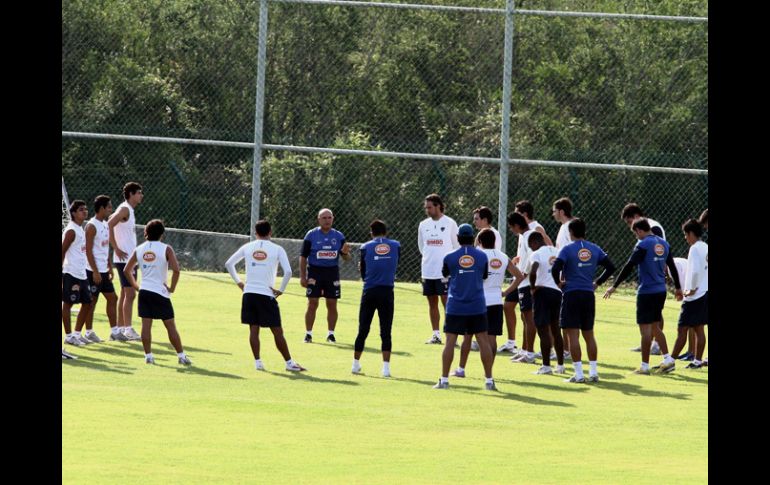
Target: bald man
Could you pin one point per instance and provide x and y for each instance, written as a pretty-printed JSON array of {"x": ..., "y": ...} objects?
[{"x": 319, "y": 271}]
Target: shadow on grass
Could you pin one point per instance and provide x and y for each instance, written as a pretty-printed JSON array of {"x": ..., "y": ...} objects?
[
  {"x": 99, "y": 365},
  {"x": 349, "y": 347},
  {"x": 303, "y": 376},
  {"x": 636, "y": 390},
  {"x": 203, "y": 372}
]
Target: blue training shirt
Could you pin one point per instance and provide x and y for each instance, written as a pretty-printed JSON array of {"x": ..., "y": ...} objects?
[
  {"x": 580, "y": 259},
  {"x": 650, "y": 254},
  {"x": 467, "y": 269},
  {"x": 321, "y": 249},
  {"x": 379, "y": 260}
]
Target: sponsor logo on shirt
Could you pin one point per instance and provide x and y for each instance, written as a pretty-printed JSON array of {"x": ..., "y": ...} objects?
[
  {"x": 105, "y": 242},
  {"x": 326, "y": 255},
  {"x": 466, "y": 261},
  {"x": 659, "y": 249},
  {"x": 83, "y": 249},
  {"x": 259, "y": 255},
  {"x": 584, "y": 255},
  {"x": 552, "y": 259},
  {"x": 149, "y": 256},
  {"x": 382, "y": 249},
  {"x": 495, "y": 263},
  {"x": 435, "y": 242}
]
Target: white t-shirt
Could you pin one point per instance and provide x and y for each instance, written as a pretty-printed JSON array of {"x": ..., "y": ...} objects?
[
  {"x": 523, "y": 252},
  {"x": 562, "y": 239},
  {"x": 101, "y": 247},
  {"x": 125, "y": 233},
  {"x": 681, "y": 270},
  {"x": 436, "y": 239},
  {"x": 262, "y": 258},
  {"x": 151, "y": 259},
  {"x": 544, "y": 257},
  {"x": 75, "y": 257},
  {"x": 654, "y": 223},
  {"x": 697, "y": 271},
  {"x": 498, "y": 239},
  {"x": 493, "y": 285}
]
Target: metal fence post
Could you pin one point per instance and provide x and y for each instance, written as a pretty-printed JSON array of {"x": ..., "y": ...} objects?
[
  {"x": 258, "y": 117},
  {"x": 505, "y": 136}
]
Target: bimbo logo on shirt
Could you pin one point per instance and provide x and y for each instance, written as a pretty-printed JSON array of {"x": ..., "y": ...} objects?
[
  {"x": 659, "y": 249},
  {"x": 495, "y": 263},
  {"x": 466, "y": 261},
  {"x": 435, "y": 242},
  {"x": 149, "y": 256},
  {"x": 259, "y": 255},
  {"x": 326, "y": 254},
  {"x": 584, "y": 255},
  {"x": 382, "y": 249}
]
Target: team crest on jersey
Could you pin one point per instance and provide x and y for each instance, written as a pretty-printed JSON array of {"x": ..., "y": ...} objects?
[
  {"x": 495, "y": 263},
  {"x": 442, "y": 228},
  {"x": 149, "y": 256},
  {"x": 584, "y": 255},
  {"x": 382, "y": 249},
  {"x": 553, "y": 258},
  {"x": 466, "y": 261},
  {"x": 259, "y": 255},
  {"x": 334, "y": 241},
  {"x": 659, "y": 249}
]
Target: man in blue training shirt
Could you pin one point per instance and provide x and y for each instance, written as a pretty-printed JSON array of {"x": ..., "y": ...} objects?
[
  {"x": 466, "y": 309},
  {"x": 319, "y": 271},
  {"x": 652, "y": 254},
  {"x": 379, "y": 260},
  {"x": 577, "y": 262}
]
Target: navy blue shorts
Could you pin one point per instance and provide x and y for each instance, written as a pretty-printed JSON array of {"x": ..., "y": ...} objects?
[
  {"x": 465, "y": 324},
  {"x": 649, "y": 308},
  {"x": 123, "y": 280},
  {"x": 154, "y": 306},
  {"x": 74, "y": 290},
  {"x": 513, "y": 297},
  {"x": 578, "y": 310},
  {"x": 106, "y": 285},
  {"x": 547, "y": 305},
  {"x": 434, "y": 287},
  {"x": 495, "y": 319},
  {"x": 695, "y": 312},
  {"x": 525, "y": 299},
  {"x": 260, "y": 310},
  {"x": 323, "y": 282}
]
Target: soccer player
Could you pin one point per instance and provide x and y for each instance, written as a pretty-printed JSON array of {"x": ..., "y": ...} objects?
[
  {"x": 74, "y": 282},
  {"x": 319, "y": 271},
  {"x": 122, "y": 226},
  {"x": 518, "y": 224},
  {"x": 482, "y": 219},
  {"x": 525, "y": 208},
  {"x": 574, "y": 270},
  {"x": 99, "y": 269},
  {"x": 379, "y": 260},
  {"x": 652, "y": 255},
  {"x": 546, "y": 302},
  {"x": 466, "y": 311},
  {"x": 562, "y": 213},
  {"x": 681, "y": 271},
  {"x": 694, "y": 313},
  {"x": 436, "y": 237},
  {"x": 154, "y": 293},
  {"x": 259, "y": 305}
]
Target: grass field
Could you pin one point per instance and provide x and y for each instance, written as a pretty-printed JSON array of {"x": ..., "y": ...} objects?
[{"x": 220, "y": 421}]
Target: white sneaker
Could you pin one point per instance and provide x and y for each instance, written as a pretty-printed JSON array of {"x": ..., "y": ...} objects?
[
  {"x": 575, "y": 380},
  {"x": 73, "y": 340},
  {"x": 523, "y": 359},
  {"x": 567, "y": 355},
  {"x": 295, "y": 367},
  {"x": 507, "y": 348},
  {"x": 66, "y": 355},
  {"x": 148, "y": 359},
  {"x": 385, "y": 372},
  {"x": 434, "y": 340},
  {"x": 544, "y": 370},
  {"x": 82, "y": 339},
  {"x": 131, "y": 334},
  {"x": 475, "y": 346},
  {"x": 259, "y": 366},
  {"x": 93, "y": 337},
  {"x": 655, "y": 348},
  {"x": 185, "y": 360},
  {"x": 593, "y": 378},
  {"x": 119, "y": 337},
  {"x": 559, "y": 369},
  {"x": 356, "y": 368}
]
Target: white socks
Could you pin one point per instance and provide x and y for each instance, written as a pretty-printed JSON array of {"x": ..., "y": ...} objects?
[
  {"x": 592, "y": 364},
  {"x": 578, "y": 369}
]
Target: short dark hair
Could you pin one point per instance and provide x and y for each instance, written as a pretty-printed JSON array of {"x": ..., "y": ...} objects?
[
  {"x": 514, "y": 218},
  {"x": 465, "y": 240},
  {"x": 484, "y": 212},
  {"x": 435, "y": 199},
  {"x": 693, "y": 226},
  {"x": 130, "y": 189},
  {"x": 631, "y": 210},
  {"x": 154, "y": 230},
  {"x": 536, "y": 238},
  {"x": 263, "y": 227},
  {"x": 704, "y": 217},
  {"x": 577, "y": 227},
  {"x": 487, "y": 238},
  {"x": 641, "y": 224},
  {"x": 564, "y": 204},
  {"x": 75, "y": 205},
  {"x": 101, "y": 201},
  {"x": 378, "y": 228},
  {"x": 525, "y": 207}
]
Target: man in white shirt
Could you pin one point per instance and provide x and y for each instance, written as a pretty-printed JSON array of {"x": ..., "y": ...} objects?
[
  {"x": 562, "y": 213},
  {"x": 518, "y": 224},
  {"x": 436, "y": 237},
  {"x": 74, "y": 283},
  {"x": 259, "y": 305}
]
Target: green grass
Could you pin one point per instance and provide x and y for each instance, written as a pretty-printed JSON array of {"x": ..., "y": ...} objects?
[{"x": 221, "y": 421}]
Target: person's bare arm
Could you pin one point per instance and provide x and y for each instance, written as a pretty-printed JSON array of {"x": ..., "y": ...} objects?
[
  {"x": 128, "y": 271},
  {"x": 117, "y": 218},
  {"x": 174, "y": 265},
  {"x": 90, "y": 235}
]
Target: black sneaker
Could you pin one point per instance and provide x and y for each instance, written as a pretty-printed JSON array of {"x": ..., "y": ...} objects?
[
  {"x": 693, "y": 365},
  {"x": 331, "y": 339},
  {"x": 308, "y": 338},
  {"x": 687, "y": 356}
]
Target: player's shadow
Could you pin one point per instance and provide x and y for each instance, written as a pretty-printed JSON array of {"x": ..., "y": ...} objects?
[
  {"x": 99, "y": 365},
  {"x": 130, "y": 351},
  {"x": 683, "y": 377},
  {"x": 557, "y": 386},
  {"x": 204, "y": 372},
  {"x": 303, "y": 376},
  {"x": 636, "y": 390},
  {"x": 501, "y": 394},
  {"x": 348, "y": 347}
]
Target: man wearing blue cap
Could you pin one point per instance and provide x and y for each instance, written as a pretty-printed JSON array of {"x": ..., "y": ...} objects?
[{"x": 466, "y": 309}]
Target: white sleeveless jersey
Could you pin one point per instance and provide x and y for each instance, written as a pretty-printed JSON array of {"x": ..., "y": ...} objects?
[
  {"x": 75, "y": 258},
  {"x": 125, "y": 234},
  {"x": 544, "y": 257},
  {"x": 101, "y": 247},
  {"x": 523, "y": 252},
  {"x": 151, "y": 258},
  {"x": 493, "y": 285},
  {"x": 436, "y": 239},
  {"x": 262, "y": 258}
]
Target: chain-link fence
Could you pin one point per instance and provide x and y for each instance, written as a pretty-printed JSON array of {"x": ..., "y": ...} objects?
[{"x": 606, "y": 91}]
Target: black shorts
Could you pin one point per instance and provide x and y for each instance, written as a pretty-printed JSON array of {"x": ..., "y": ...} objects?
[
  {"x": 123, "y": 280},
  {"x": 465, "y": 324},
  {"x": 547, "y": 305},
  {"x": 495, "y": 319},
  {"x": 435, "y": 287},
  {"x": 513, "y": 297},
  {"x": 106, "y": 285},
  {"x": 323, "y": 282},
  {"x": 260, "y": 310},
  {"x": 525, "y": 299},
  {"x": 649, "y": 308},
  {"x": 74, "y": 290},
  {"x": 695, "y": 312},
  {"x": 154, "y": 306},
  {"x": 578, "y": 310}
]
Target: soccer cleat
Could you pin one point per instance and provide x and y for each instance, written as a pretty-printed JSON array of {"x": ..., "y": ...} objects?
[
  {"x": 385, "y": 372},
  {"x": 441, "y": 385},
  {"x": 665, "y": 368},
  {"x": 73, "y": 340},
  {"x": 490, "y": 386},
  {"x": 693, "y": 365},
  {"x": 706, "y": 362},
  {"x": 539, "y": 355},
  {"x": 637, "y": 349},
  {"x": 593, "y": 378},
  {"x": 93, "y": 338},
  {"x": 259, "y": 366},
  {"x": 544, "y": 370},
  {"x": 82, "y": 339},
  {"x": 356, "y": 368},
  {"x": 148, "y": 359},
  {"x": 687, "y": 357},
  {"x": 185, "y": 360},
  {"x": 295, "y": 367},
  {"x": 475, "y": 346},
  {"x": 523, "y": 359},
  {"x": 559, "y": 370},
  {"x": 643, "y": 372},
  {"x": 575, "y": 380},
  {"x": 118, "y": 337},
  {"x": 66, "y": 355},
  {"x": 131, "y": 334},
  {"x": 308, "y": 338},
  {"x": 330, "y": 338},
  {"x": 434, "y": 340},
  {"x": 505, "y": 347},
  {"x": 655, "y": 349},
  {"x": 458, "y": 373},
  {"x": 567, "y": 355}
]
